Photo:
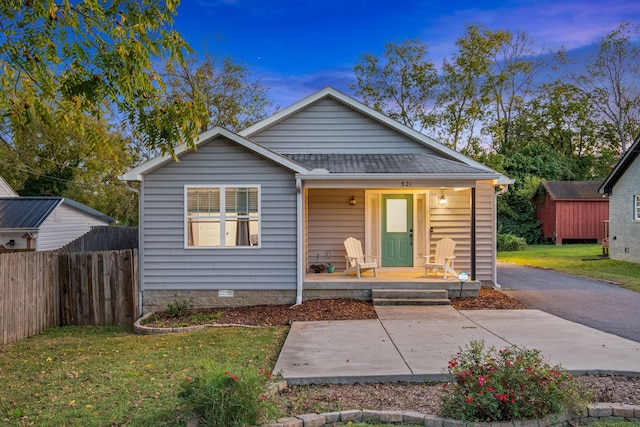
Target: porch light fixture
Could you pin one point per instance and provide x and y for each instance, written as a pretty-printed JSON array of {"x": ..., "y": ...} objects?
[
  {"x": 352, "y": 200},
  {"x": 442, "y": 201}
]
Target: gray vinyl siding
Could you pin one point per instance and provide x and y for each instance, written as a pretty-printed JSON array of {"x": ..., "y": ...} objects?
[
  {"x": 485, "y": 229},
  {"x": 330, "y": 220},
  {"x": 331, "y": 127},
  {"x": 624, "y": 231},
  {"x": 62, "y": 226},
  {"x": 453, "y": 221},
  {"x": 167, "y": 265}
]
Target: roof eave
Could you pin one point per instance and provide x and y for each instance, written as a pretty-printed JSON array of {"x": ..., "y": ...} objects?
[
  {"x": 565, "y": 199},
  {"x": 621, "y": 167},
  {"x": 396, "y": 176}
]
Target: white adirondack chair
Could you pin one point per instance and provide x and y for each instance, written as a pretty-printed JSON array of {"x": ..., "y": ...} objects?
[
  {"x": 356, "y": 261},
  {"x": 443, "y": 258}
]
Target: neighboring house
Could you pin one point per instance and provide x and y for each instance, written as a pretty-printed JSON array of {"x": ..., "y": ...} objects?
[
  {"x": 240, "y": 220},
  {"x": 45, "y": 223},
  {"x": 571, "y": 211},
  {"x": 623, "y": 187},
  {"x": 6, "y": 190}
]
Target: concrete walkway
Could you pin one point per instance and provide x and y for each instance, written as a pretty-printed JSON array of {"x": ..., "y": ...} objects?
[{"x": 415, "y": 344}]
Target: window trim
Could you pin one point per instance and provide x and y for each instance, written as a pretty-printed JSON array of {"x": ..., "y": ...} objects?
[
  {"x": 222, "y": 188},
  {"x": 636, "y": 207}
]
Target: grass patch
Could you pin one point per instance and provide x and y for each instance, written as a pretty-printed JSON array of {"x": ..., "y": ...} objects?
[
  {"x": 93, "y": 376},
  {"x": 577, "y": 260},
  {"x": 615, "y": 423}
]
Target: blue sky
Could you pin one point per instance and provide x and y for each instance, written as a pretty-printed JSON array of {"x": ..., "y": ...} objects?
[{"x": 296, "y": 47}]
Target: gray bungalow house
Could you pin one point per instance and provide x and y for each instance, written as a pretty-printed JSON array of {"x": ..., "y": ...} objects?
[
  {"x": 623, "y": 187},
  {"x": 240, "y": 220}
]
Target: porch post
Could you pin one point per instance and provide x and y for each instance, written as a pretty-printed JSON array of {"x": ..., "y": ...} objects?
[
  {"x": 473, "y": 233},
  {"x": 300, "y": 266}
]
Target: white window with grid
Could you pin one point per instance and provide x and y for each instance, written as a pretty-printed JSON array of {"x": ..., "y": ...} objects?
[{"x": 222, "y": 216}]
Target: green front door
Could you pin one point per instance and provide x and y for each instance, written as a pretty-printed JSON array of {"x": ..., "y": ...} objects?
[{"x": 397, "y": 230}]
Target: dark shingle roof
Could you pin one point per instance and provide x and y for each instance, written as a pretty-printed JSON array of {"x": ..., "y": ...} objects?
[
  {"x": 573, "y": 189},
  {"x": 30, "y": 212},
  {"x": 383, "y": 163}
]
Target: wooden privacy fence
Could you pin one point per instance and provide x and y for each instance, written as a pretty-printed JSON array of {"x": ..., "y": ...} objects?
[
  {"x": 104, "y": 238},
  {"x": 39, "y": 290},
  {"x": 98, "y": 288},
  {"x": 29, "y": 297}
]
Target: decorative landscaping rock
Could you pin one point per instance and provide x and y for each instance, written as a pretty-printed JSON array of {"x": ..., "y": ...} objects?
[{"x": 597, "y": 411}]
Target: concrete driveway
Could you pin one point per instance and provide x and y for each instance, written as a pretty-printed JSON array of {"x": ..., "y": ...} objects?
[
  {"x": 415, "y": 344},
  {"x": 596, "y": 304}
]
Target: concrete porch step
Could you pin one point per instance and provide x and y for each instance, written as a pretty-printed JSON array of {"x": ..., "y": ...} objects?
[
  {"x": 412, "y": 301},
  {"x": 410, "y": 297}
]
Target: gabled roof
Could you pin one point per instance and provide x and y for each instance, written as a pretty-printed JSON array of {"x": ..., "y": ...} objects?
[
  {"x": 6, "y": 190},
  {"x": 330, "y": 92},
  {"x": 29, "y": 213},
  {"x": 385, "y": 164},
  {"x": 627, "y": 159},
  {"x": 319, "y": 166},
  {"x": 136, "y": 173},
  {"x": 573, "y": 190}
]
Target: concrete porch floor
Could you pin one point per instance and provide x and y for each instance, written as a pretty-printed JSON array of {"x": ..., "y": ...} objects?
[
  {"x": 383, "y": 276},
  {"x": 349, "y": 286}
]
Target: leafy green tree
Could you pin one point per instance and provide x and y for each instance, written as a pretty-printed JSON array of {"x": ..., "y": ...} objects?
[
  {"x": 565, "y": 118},
  {"x": 485, "y": 86},
  {"x": 402, "y": 83},
  {"x": 231, "y": 98},
  {"x": 610, "y": 79},
  {"x": 43, "y": 161},
  {"x": 64, "y": 59}
]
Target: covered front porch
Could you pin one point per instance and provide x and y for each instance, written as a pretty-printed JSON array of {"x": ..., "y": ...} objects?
[{"x": 401, "y": 227}]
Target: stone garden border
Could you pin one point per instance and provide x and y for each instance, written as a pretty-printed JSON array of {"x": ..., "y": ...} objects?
[
  {"x": 139, "y": 328},
  {"x": 593, "y": 412}
]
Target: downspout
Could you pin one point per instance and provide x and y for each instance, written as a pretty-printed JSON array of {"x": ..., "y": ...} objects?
[
  {"x": 137, "y": 191},
  {"x": 300, "y": 241},
  {"x": 129, "y": 187},
  {"x": 501, "y": 190}
]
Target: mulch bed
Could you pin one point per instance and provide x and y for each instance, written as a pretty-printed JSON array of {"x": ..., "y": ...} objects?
[{"x": 314, "y": 310}]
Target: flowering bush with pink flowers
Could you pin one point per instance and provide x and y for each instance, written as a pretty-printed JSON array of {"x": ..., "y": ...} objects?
[
  {"x": 229, "y": 399},
  {"x": 510, "y": 384}
]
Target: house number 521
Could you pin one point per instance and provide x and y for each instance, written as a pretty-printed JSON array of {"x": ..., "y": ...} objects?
[{"x": 405, "y": 183}]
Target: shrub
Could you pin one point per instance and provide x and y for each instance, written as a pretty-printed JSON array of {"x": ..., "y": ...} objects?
[
  {"x": 505, "y": 385},
  {"x": 229, "y": 399},
  {"x": 179, "y": 308},
  {"x": 511, "y": 242}
]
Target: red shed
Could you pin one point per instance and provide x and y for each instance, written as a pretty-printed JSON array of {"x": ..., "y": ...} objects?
[{"x": 571, "y": 211}]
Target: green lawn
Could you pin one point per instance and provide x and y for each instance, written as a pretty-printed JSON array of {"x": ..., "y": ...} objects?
[
  {"x": 580, "y": 260},
  {"x": 108, "y": 376},
  {"x": 91, "y": 376}
]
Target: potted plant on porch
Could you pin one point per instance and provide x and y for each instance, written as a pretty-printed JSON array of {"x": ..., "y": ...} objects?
[
  {"x": 318, "y": 268},
  {"x": 330, "y": 268}
]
